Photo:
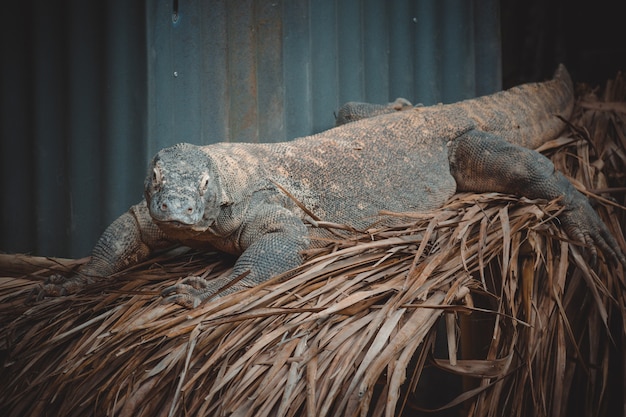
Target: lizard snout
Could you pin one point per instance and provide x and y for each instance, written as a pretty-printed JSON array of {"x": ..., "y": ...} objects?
[
  {"x": 165, "y": 208},
  {"x": 183, "y": 211}
]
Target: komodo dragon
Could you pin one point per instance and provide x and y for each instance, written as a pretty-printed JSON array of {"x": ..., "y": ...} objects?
[{"x": 240, "y": 198}]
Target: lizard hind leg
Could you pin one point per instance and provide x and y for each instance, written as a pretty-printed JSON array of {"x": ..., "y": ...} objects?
[{"x": 483, "y": 162}]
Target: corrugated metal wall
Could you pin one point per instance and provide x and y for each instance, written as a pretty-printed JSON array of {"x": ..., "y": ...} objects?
[
  {"x": 90, "y": 91},
  {"x": 275, "y": 70},
  {"x": 73, "y": 121}
]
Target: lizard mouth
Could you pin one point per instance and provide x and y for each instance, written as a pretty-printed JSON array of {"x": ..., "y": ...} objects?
[{"x": 180, "y": 226}]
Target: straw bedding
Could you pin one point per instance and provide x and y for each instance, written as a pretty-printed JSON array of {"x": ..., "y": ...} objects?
[{"x": 531, "y": 327}]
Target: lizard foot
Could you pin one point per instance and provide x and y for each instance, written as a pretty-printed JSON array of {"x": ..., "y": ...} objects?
[
  {"x": 189, "y": 293},
  {"x": 585, "y": 226},
  {"x": 56, "y": 286}
]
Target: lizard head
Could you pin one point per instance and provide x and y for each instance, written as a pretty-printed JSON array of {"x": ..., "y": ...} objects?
[{"x": 182, "y": 188}]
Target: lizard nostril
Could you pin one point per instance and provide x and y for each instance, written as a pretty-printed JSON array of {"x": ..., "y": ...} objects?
[
  {"x": 189, "y": 210},
  {"x": 164, "y": 207}
]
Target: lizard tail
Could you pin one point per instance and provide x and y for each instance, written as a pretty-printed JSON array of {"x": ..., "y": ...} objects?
[
  {"x": 562, "y": 74},
  {"x": 526, "y": 115}
]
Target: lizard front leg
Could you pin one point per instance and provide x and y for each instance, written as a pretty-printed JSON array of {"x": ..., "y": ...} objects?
[
  {"x": 272, "y": 239},
  {"x": 483, "y": 162},
  {"x": 130, "y": 239}
]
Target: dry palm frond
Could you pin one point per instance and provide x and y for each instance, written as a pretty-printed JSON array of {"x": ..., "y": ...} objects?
[{"x": 540, "y": 330}]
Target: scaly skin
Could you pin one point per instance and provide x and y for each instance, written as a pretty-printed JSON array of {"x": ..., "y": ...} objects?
[
  {"x": 355, "y": 111},
  {"x": 239, "y": 197}
]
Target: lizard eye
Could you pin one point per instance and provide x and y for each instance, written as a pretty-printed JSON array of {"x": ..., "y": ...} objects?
[{"x": 204, "y": 183}]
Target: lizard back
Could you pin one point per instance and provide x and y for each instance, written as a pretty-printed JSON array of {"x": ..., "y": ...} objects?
[{"x": 398, "y": 161}]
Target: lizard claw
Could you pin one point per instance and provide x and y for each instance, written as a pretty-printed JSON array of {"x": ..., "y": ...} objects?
[
  {"x": 585, "y": 226},
  {"x": 56, "y": 286},
  {"x": 192, "y": 291},
  {"x": 189, "y": 293}
]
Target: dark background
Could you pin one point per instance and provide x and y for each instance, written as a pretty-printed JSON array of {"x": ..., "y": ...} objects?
[{"x": 588, "y": 36}]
